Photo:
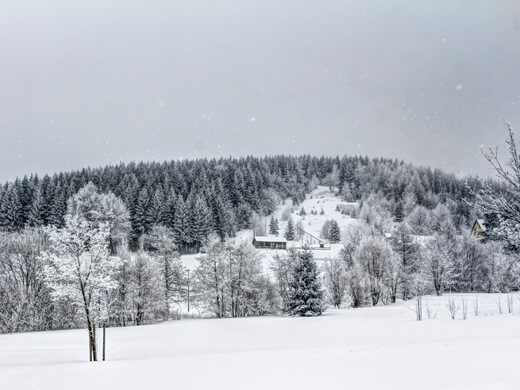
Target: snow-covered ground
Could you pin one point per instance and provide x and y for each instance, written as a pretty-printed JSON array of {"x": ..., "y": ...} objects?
[{"x": 368, "y": 348}]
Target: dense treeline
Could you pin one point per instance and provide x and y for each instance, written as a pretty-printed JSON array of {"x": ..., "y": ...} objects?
[{"x": 199, "y": 197}]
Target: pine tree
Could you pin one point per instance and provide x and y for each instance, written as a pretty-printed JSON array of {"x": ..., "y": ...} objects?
[
  {"x": 305, "y": 290},
  {"x": 140, "y": 221},
  {"x": 289, "y": 231},
  {"x": 169, "y": 213},
  {"x": 156, "y": 212},
  {"x": 200, "y": 222},
  {"x": 273, "y": 226},
  {"x": 26, "y": 191},
  {"x": 180, "y": 223},
  {"x": 58, "y": 207},
  {"x": 220, "y": 217},
  {"x": 334, "y": 232},
  {"x": 36, "y": 215},
  {"x": 11, "y": 212},
  {"x": 197, "y": 221},
  {"x": 244, "y": 214}
]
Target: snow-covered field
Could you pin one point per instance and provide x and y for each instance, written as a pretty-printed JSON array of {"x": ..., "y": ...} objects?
[{"x": 368, "y": 348}]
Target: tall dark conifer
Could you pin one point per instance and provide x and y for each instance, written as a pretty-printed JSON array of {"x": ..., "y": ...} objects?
[{"x": 305, "y": 290}]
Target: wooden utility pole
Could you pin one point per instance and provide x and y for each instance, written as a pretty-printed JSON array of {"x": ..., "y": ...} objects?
[{"x": 104, "y": 339}]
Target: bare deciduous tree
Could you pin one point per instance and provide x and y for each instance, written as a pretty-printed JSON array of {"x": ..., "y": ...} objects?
[
  {"x": 453, "y": 307},
  {"x": 505, "y": 202},
  {"x": 336, "y": 280},
  {"x": 464, "y": 308},
  {"x": 476, "y": 308}
]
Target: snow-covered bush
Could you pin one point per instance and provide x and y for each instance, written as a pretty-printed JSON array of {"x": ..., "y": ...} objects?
[
  {"x": 336, "y": 281},
  {"x": 374, "y": 255},
  {"x": 229, "y": 282},
  {"x": 25, "y": 301},
  {"x": 325, "y": 229}
]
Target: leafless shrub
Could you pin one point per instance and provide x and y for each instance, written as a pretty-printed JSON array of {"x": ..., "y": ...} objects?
[
  {"x": 464, "y": 309},
  {"x": 510, "y": 304},
  {"x": 453, "y": 308},
  {"x": 430, "y": 313},
  {"x": 476, "y": 309},
  {"x": 419, "y": 307}
]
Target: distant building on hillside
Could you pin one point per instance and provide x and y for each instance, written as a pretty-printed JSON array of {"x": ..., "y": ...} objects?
[
  {"x": 269, "y": 242},
  {"x": 311, "y": 241},
  {"x": 479, "y": 230}
]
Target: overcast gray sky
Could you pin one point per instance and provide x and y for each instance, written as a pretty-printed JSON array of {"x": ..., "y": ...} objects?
[{"x": 86, "y": 83}]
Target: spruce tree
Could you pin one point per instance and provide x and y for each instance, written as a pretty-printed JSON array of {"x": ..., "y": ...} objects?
[
  {"x": 200, "y": 221},
  {"x": 398, "y": 211},
  {"x": 305, "y": 290},
  {"x": 36, "y": 215},
  {"x": 58, "y": 207},
  {"x": 169, "y": 212},
  {"x": 191, "y": 225},
  {"x": 156, "y": 213},
  {"x": 334, "y": 232},
  {"x": 11, "y": 211},
  {"x": 273, "y": 226},
  {"x": 140, "y": 222},
  {"x": 289, "y": 231},
  {"x": 26, "y": 191},
  {"x": 180, "y": 223}
]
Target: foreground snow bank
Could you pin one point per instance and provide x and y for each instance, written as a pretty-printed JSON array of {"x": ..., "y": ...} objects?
[{"x": 369, "y": 348}]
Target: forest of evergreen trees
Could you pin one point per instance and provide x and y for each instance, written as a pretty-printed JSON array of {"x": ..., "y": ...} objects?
[
  {"x": 199, "y": 197},
  {"x": 50, "y": 225}
]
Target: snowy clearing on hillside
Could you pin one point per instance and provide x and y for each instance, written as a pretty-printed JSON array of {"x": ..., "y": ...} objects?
[
  {"x": 320, "y": 199},
  {"x": 368, "y": 348}
]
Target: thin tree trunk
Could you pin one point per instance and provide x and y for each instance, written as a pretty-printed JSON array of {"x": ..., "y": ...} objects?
[
  {"x": 90, "y": 327},
  {"x": 94, "y": 343},
  {"x": 104, "y": 340}
]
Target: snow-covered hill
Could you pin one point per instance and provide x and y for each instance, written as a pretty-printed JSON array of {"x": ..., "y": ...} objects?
[{"x": 370, "y": 348}]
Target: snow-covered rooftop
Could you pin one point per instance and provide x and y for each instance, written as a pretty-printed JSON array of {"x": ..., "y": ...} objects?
[
  {"x": 270, "y": 239},
  {"x": 482, "y": 224}
]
